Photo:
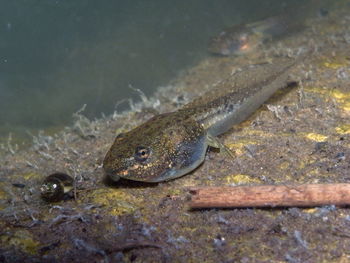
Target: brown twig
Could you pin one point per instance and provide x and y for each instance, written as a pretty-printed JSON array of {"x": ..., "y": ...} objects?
[{"x": 305, "y": 195}]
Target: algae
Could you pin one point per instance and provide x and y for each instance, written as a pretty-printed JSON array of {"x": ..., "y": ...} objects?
[
  {"x": 343, "y": 129},
  {"x": 116, "y": 201},
  {"x": 21, "y": 239},
  {"x": 316, "y": 137},
  {"x": 237, "y": 179}
]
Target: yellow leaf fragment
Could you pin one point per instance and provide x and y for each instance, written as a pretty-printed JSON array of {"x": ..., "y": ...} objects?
[
  {"x": 316, "y": 137},
  {"x": 238, "y": 179}
]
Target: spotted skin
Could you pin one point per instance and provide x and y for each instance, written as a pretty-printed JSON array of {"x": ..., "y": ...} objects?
[{"x": 173, "y": 144}]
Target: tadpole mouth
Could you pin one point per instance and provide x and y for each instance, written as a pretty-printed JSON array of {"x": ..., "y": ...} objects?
[{"x": 115, "y": 175}]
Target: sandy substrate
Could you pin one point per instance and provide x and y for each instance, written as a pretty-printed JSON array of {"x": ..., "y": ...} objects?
[{"x": 302, "y": 136}]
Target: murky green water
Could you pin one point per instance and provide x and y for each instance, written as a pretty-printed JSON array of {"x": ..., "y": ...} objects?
[{"x": 56, "y": 56}]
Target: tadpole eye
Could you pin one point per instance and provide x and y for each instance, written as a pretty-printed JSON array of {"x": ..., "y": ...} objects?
[{"x": 142, "y": 153}]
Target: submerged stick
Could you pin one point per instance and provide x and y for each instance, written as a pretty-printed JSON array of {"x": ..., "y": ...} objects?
[{"x": 305, "y": 195}]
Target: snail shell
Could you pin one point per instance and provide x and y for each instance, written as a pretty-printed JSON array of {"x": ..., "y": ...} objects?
[{"x": 55, "y": 186}]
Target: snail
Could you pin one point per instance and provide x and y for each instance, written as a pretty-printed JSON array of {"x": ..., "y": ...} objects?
[{"x": 56, "y": 186}]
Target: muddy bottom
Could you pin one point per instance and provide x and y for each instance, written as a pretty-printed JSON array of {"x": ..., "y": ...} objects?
[{"x": 300, "y": 136}]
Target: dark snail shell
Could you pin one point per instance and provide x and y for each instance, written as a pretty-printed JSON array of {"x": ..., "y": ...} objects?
[{"x": 56, "y": 186}]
